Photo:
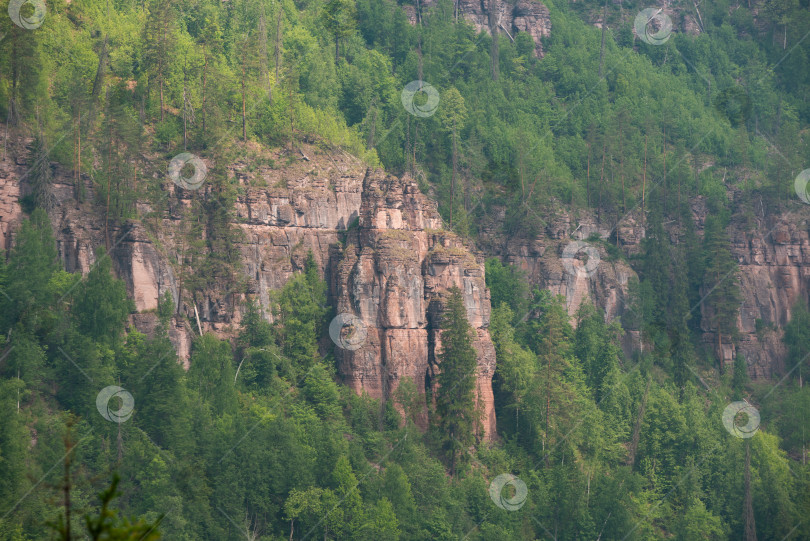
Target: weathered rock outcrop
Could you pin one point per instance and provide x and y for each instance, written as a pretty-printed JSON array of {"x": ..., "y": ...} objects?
[
  {"x": 773, "y": 253},
  {"x": 528, "y": 16},
  {"x": 394, "y": 274},
  {"x": 604, "y": 284},
  {"x": 400, "y": 260}
]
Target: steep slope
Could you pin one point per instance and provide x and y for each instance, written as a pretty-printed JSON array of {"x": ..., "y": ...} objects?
[
  {"x": 393, "y": 274},
  {"x": 393, "y": 271}
]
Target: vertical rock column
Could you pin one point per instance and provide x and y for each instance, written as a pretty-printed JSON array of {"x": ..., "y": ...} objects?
[{"x": 393, "y": 272}]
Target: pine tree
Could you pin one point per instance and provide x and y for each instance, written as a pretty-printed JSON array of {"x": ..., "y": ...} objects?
[
  {"x": 452, "y": 115},
  {"x": 721, "y": 283},
  {"x": 39, "y": 176},
  {"x": 455, "y": 397},
  {"x": 102, "y": 306},
  {"x": 740, "y": 377},
  {"x": 301, "y": 309},
  {"x": 159, "y": 42},
  {"x": 678, "y": 317},
  {"x": 554, "y": 353},
  {"x": 339, "y": 19},
  {"x": 797, "y": 338}
]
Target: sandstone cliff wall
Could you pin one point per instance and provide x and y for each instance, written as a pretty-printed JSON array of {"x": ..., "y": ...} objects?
[
  {"x": 393, "y": 274},
  {"x": 393, "y": 271},
  {"x": 524, "y": 16}
]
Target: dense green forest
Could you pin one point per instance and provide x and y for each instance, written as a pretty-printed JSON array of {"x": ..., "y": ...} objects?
[{"x": 256, "y": 439}]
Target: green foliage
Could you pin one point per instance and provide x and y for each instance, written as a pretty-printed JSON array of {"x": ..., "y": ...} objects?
[
  {"x": 108, "y": 526},
  {"x": 257, "y": 439},
  {"x": 456, "y": 416},
  {"x": 721, "y": 281},
  {"x": 797, "y": 336},
  {"x": 507, "y": 284},
  {"x": 300, "y": 307},
  {"x": 101, "y": 304},
  {"x": 211, "y": 374}
]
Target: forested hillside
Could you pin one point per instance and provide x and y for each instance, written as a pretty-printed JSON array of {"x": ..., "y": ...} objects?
[{"x": 341, "y": 385}]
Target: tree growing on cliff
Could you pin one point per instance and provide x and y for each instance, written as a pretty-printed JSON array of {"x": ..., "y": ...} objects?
[
  {"x": 797, "y": 338},
  {"x": 300, "y": 309},
  {"x": 455, "y": 397},
  {"x": 721, "y": 282},
  {"x": 40, "y": 177}
]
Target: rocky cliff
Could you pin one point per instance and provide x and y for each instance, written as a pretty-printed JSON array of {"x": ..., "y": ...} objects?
[
  {"x": 561, "y": 260},
  {"x": 772, "y": 250},
  {"x": 382, "y": 248},
  {"x": 393, "y": 274},
  {"x": 376, "y": 239},
  {"x": 523, "y": 16}
]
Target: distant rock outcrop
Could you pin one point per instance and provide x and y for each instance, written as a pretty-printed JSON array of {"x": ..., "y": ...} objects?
[
  {"x": 528, "y": 16},
  {"x": 377, "y": 240},
  {"x": 393, "y": 274}
]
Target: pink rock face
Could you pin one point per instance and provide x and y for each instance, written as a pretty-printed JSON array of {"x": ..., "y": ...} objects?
[
  {"x": 774, "y": 262},
  {"x": 394, "y": 272},
  {"x": 10, "y": 212},
  {"x": 524, "y": 16}
]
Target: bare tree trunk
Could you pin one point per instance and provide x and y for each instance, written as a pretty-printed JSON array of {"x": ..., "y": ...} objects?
[
  {"x": 66, "y": 488},
  {"x": 748, "y": 512},
  {"x": 185, "y": 120},
  {"x": 588, "y": 179},
  {"x": 720, "y": 347},
  {"x": 631, "y": 459},
  {"x": 373, "y": 128},
  {"x": 548, "y": 407},
  {"x": 644, "y": 185},
  {"x": 602, "y": 48},
  {"x": 453, "y": 177},
  {"x": 265, "y": 74},
  {"x": 244, "y": 112},
  {"x": 277, "y": 48},
  {"x": 666, "y": 186},
  {"x": 621, "y": 164},
  {"x": 109, "y": 189},
  {"x": 601, "y": 179},
  {"x": 205, "y": 79},
  {"x": 493, "y": 29}
]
